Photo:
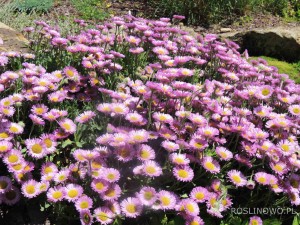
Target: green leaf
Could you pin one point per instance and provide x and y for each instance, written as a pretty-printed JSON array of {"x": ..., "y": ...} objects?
[
  {"x": 272, "y": 222},
  {"x": 296, "y": 220},
  {"x": 79, "y": 144},
  {"x": 66, "y": 143}
]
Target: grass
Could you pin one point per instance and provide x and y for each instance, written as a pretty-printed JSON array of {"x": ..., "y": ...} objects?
[
  {"x": 95, "y": 10},
  {"x": 292, "y": 69}
]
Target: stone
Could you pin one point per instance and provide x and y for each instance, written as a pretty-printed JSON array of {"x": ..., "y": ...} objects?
[
  {"x": 12, "y": 40},
  {"x": 279, "y": 42},
  {"x": 225, "y": 30}
]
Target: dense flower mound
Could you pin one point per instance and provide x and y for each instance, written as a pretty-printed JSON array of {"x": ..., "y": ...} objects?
[{"x": 134, "y": 118}]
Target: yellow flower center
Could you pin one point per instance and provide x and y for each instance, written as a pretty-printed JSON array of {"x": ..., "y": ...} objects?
[
  {"x": 285, "y": 147},
  {"x": 73, "y": 193},
  {"x": 110, "y": 176},
  {"x": 30, "y": 189},
  {"x": 296, "y": 110},
  {"x": 265, "y": 92},
  {"x": 183, "y": 173},
  {"x": 36, "y": 148},
  {"x": 13, "y": 129},
  {"x": 66, "y": 126},
  {"x": 57, "y": 195},
  {"x": 130, "y": 208},
  {"x": 190, "y": 207},
  {"x": 3, "y": 148},
  {"x": 102, "y": 216},
  {"x": 210, "y": 166},
  {"x": 48, "y": 170},
  {"x": 99, "y": 186},
  {"x": 150, "y": 169},
  {"x": 148, "y": 195},
  {"x": 84, "y": 205},
  {"x": 261, "y": 179},
  {"x": 144, "y": 154},
  {"x": 13, "y": 158},
  {"x": 3, "y": 135},
  {"x": 199, "y": 195},
  {"x": 165, "y": 201},
  {"x": 39, "y": 111},
  {"x": 236, "y": 179},
  {"x": 118, "y": 109},
  {"x": 48, "y": 142}
]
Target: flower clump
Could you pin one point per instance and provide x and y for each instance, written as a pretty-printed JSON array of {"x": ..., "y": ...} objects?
[{"x": 140, "y": 117}]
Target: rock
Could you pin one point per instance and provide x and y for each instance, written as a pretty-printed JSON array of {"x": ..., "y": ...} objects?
[
  {"x": 12, "y": 40},
  {"x": 278, "y": 42},
  {"x": 225, "y": 30}
]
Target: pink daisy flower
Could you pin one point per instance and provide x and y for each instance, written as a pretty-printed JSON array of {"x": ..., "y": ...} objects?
[
  {"x": 37, "y": 120},
  {"x": 160, "y": 51},
  {"x": 48, "y": 168},
  {"x": 71, "y": 73},
  {"x": 255, "y": 220},
  {"x": 179, "y": 159},
  {"x": 237, "y": 178},
  {"x": 15, "y": 128},
  {"x": 35, "y": 148},
  {"x": 85, "y": 117},
  {"x": 99, "y": 185},
  {"x": 294, "y": 110},
  {"x": 145, "y": 153},
  {"x": 162, "y": 117},
  {"x": 67, "y": 125},
  {"x": 55, "y": 194},
  {"x": 39, "y": 109},
  {"x": 131, "y": 207},
  {"x": 167, "y": 200},
  {"x": 147, "y": 196},
  {"x": 111, "y": 175},
  {"x": 119, "y": 108},
  {"x": 224, "y": 154},
  {"x": 30, "y": 189},
  {"x": 210, "y": 164},
  {"x": 104, "y": 108},
  {"x": 262, "y": 178},
  {"x": 138, "y": 136},
  {"x": 13, "y": 157},
  {"x": 5, "y": 146},
  {"x": 103, "y": 215},
  {"x": 112, "y": 193},
  {"x": 189, "y": 207},
  {"x": 152, "y": 169},
  {"x": 135, "y": 118},
  {"x": 199, "y": 194},
  {"x": 184, "y": 174},
  {"x": 86, "y": 217},
  {"x": 73, "y": 192},
  {"x": 170, "y": 146},
  {"x": 194, "y": 221},
  {"x": 83, "y": 203}
]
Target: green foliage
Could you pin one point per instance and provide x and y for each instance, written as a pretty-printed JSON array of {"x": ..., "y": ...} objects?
[
  {"x": 293, "y": 70},
  {"x": 207, "y": 12},
  {"x": 91, "y": 9},
  {"x": 33, "y": 5}
]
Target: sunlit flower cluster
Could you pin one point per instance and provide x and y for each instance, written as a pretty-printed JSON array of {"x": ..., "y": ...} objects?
[{"x": 140, "y": 117}]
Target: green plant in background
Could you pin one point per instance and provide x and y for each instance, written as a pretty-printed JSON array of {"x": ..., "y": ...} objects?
[
  {"x": 292, "y": 69},
  {"x": 214, "y": 11},
  {"x": 33, "y": 5},
  {"x": 91, "y": 9}
]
